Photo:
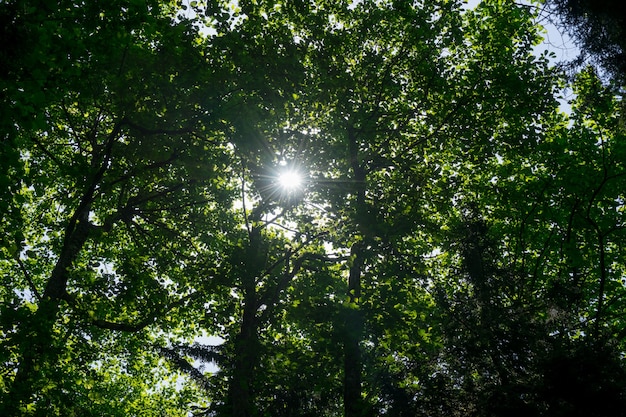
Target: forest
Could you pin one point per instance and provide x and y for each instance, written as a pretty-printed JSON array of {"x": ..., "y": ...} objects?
[{"x": 310, "y": 208}]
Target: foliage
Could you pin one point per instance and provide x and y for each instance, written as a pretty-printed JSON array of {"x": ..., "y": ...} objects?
[{"x": 455, "y": 249}]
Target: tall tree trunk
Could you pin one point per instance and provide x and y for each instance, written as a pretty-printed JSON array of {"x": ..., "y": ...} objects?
[
  {"x": 36, "y": 335},
  {"x": 240, "y": 391},
  {"x": 36, "y": 345},
  {"x": 353, "y": 322},
  {"x": 246, "y": 356},
  {"x": 353, "y": 329}
]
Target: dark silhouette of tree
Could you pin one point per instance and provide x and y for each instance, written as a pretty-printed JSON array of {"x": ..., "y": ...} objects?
[{"x": 599, "y": 29}]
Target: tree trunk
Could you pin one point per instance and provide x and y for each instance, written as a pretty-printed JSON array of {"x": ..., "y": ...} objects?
[
  {"x": 241, "y": 394},
  {"x": 240, "y": 391},
  {"x": 353, "y": 329},
  {"x": 353, "y": 323},
  {"x": 36, "y": 335},
  {"x": 36, "y": 345}
]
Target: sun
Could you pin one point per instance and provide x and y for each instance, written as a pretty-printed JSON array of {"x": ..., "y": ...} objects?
[{"x": 290, "y": 180}]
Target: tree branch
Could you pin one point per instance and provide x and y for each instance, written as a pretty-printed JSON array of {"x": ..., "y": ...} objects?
[
  {"x": 183, "y": 365},
  {"x": 142, "y": 324},
  {"x": 31, "y": 284},
  {"x": 270, "y": 298},
  {"x": 154, "y": 131}
]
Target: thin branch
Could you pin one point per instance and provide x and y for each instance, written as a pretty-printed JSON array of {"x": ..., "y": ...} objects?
[
  {"x": 541, "y": 256},
  {"x": 155, "y": 131},
  {"x": 140, "y": 325},
  {"x": 149, "y": 167},
  {"x": 68, "y": 117},
  {"x": 31, "y": 284},
  {"x": 183, "y": 365},
  {"x": 270, "y": 298},
  {"x": 243, "y": 199},
  {"x": 46, "y": 151}
]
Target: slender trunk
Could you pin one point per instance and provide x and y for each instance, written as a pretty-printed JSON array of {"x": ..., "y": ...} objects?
[
  {"x": 353, "y": 322},
  {"x": 246, "y": 356},
  {"x": 37, "y": 334},
  {"x": 240, "y": 390},
  {"x": 353, "y": 330}
]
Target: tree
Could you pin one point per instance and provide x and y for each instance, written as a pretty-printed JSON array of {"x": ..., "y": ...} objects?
[
  {"x": 598, "y": 29},
  {"x": 401, "y": 127},
  {"x": 368, "y": 110},
  {"x": 115, "y": 169},
  {"x": 534, "y": 277},
  {"x": 441, "y": 257}
]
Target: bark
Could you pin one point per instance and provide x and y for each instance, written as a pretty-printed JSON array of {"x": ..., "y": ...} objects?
[
  {"x": 246, "y": 357},
  {"x": 37, "y": 334},
  {"x": 353, "y": 329},
  {"x": 240, "y": 391},
  {"x": 353, "y": 323}
]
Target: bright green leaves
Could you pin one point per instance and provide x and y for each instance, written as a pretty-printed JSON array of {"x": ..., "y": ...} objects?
[
  {"x": 451, "y": 221},
  {"x": 122, "y": 197}
]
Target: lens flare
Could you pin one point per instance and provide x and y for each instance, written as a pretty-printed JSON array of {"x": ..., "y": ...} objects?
[{"x": 290, "y": 180}]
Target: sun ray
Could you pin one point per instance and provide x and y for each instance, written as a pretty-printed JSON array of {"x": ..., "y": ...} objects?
[{"x": 290, "y": 180}]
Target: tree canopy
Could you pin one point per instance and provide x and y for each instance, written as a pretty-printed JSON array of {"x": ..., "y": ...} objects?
[
  {"x": 599, "y": 28},
  {"x": 454, "y": 245}
]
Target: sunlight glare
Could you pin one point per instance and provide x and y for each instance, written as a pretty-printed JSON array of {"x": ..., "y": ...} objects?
[{"x": 290, "y": 180}]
